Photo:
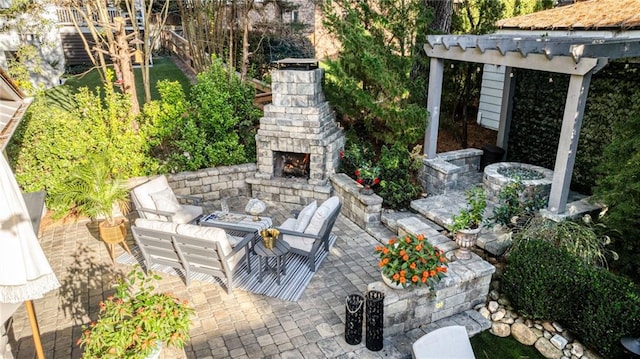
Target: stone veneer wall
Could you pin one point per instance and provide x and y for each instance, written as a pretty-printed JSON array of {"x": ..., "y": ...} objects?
[
  {"x": 451, "y": 171},
  {"x": 465, "y": 286},
  {"x": 361, "y": 209},
  {"x": 210, "y": 183}
]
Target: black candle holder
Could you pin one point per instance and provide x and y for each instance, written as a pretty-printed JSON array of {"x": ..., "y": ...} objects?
[
  {"x": 354, "y": 313},
  {"x": 375, "y": 320}
]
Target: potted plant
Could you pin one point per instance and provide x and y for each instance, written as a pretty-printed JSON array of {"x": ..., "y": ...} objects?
[
  {"x": 136, "y": 322},
  {"x": 93, "y": 191},
  {"x": 411, "y": 260},
  {"x": 466, "y": 224},
  {"x": 367, "y": 176}
]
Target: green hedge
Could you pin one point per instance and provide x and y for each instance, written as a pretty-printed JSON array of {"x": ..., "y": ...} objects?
[
  {"x": 596, "y": 305},
  {"x": 538, "y": 108}
]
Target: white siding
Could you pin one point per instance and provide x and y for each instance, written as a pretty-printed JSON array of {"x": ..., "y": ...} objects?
[{"x": 491, "y": 96}]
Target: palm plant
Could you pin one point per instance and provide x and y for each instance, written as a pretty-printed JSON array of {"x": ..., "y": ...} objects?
[{"x": 93, "y": 191}]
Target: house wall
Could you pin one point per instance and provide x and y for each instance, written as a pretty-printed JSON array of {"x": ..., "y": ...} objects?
[{"x": 52, "y": 57}]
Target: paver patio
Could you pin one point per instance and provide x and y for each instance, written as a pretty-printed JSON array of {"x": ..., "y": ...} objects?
[{"x": 240, "y": 325}]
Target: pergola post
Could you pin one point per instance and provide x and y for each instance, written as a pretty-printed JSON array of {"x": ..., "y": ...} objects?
[
  {"x": 508, "y": 88},
  {"x": 568, "y": 143},
  {"x": 436, "y": 70}
]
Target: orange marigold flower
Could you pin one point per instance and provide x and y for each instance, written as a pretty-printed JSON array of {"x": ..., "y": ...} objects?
[
  {"x": 392, "y": 241},
  {"x": 381, "y": 264},
  {"x": 402, "y": 252},
  {"x": 415, "y": 279},
  {"x": 444, "y": 270},
  {"x": 385, "y": 251},
  {"x": 405, "y": 257},
  {"x": 403, "y": 280},
  {"x": 407, "y": 239},
  {"x": 432, "y": 273},
  {"x": 419, "y": 247},
  {"x": 386, "y": 260},
  {"x": 442, "y": 259},
  {"x": 378, "y": 248},
  {"x": 396, "y": 276},
  {"x": 413, "y": 265},
  {"x": 425, "y": 274},
  {"x": 403, "y": 273},
  {"x": 420, "y": 237},
  {"x": 424, "y": 279}
]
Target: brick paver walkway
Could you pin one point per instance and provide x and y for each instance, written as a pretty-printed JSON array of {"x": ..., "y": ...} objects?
[{"x": 240, "y": 325}]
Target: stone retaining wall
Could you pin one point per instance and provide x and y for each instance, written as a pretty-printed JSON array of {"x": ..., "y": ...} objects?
[
  {"x": 210, "y": 184},
  {"x": 452, "y": 170},
  {"x": 465, "y": 286},
  {"x": 363, "y": 210}
]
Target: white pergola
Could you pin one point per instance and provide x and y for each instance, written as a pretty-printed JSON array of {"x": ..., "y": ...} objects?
[{"x": 579, "y": 57}]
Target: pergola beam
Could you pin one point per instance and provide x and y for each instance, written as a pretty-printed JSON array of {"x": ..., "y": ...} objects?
[
  {"x": 610, "y": 49},
  {"x": 559, "y": 64}
]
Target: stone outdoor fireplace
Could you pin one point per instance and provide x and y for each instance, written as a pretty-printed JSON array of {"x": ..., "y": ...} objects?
[{"x": 299, "y": 141}]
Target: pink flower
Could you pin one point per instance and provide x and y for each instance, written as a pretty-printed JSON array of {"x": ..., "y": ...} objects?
[
  {"x": 360, "y": 180},
  {"x": 357, "y": 173},
  {"x": 376, "y": 180}
]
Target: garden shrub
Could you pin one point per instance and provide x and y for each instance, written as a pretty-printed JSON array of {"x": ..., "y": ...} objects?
[
  {"x": 396, "y": 167},
  {"x": 579, "y": 238},
  {"x": 547, "y": 282},
  {"x": 398, "y": 170},
  {"x": 619, "y": 188},
  {"x": 50, "y": 141},
  {"x": 516, "y": 207},
  {"x": 216, "y": 126}
]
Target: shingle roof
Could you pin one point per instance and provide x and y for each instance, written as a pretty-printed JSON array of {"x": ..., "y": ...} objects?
[{"x": 584, "y": 15}]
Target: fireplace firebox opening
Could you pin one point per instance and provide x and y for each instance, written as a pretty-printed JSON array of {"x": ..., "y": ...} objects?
[{"x": 291, "y": 164}]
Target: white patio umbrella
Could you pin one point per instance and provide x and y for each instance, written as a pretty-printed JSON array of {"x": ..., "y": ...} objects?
[{"x": 25, "y": 273}]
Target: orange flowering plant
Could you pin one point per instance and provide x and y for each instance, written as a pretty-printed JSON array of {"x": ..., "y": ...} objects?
[
  {"x": 136, "y": 321},
  {"x": 411, "y": 260}
]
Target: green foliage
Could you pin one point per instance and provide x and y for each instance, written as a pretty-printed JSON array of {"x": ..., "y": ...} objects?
[
  {"x": 214, "y": 127},
  {"x": 548, "y": 282},
  {"x": 488, "y": 346},
  {"x": 398, "y": 169},
  {"x": 515, "y": 206},
  {"x": 92, "y": 191},
  {"x": 539, "y": 106},
  {"x": 579, "y": 238},
  {"x": 369, "y": 82},
  {"x": 51, "y": 142},
  {"x": 136, "y": 320},
  {"x": 470, "y": 217}
]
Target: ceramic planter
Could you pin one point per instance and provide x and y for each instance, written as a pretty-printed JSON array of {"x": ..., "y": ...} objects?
[{"x": 466, "y": 239}]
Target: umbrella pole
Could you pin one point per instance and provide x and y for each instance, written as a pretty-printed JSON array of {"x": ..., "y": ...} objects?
[{"x": 34, "y": 329}]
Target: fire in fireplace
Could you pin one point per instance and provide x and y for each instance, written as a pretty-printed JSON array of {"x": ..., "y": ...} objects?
[{"x": 291, "y": 164}]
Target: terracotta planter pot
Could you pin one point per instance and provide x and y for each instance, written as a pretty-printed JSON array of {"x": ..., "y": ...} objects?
[{"x": 466, "y": 239}]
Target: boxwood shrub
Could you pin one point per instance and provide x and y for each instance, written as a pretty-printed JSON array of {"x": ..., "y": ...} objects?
[{"x": 599, "y": 307}]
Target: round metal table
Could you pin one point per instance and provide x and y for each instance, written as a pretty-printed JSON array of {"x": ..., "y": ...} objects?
[{"x": 278, "y": 252}]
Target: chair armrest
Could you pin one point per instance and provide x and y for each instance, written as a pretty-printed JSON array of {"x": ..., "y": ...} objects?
[
  {"x": 157, "y": 211},
  {"x": 299, "y": 234},
  {"x": 193, "y": 199},
  {"x": 243, "y": 243}
]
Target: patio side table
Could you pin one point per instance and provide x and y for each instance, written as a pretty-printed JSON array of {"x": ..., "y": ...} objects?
[{"x": 278, "y": 252}]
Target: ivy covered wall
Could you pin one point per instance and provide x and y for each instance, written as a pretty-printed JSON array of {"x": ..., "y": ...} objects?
[{"x": 539, "y": 101}]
